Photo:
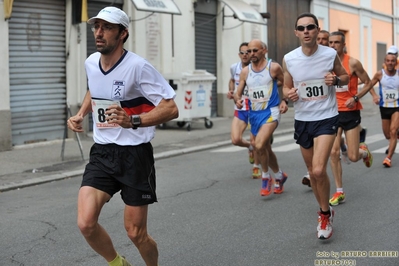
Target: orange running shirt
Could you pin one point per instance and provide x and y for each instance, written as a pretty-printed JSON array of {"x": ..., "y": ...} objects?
[{"x": 346, "y": 92}]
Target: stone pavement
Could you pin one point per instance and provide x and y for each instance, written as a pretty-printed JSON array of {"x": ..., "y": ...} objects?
[{"x": 33, "y": 164}]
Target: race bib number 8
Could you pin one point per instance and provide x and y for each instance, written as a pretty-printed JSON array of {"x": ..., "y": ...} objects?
[
  {"x": 313, "y": 90},
  {"x": 99, "y": 116}
]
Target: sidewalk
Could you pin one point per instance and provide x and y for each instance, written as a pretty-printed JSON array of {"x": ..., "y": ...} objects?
[{"x": 33, "y": 164}]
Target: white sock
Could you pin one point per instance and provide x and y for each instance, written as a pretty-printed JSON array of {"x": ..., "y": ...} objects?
[
  {"x": 340, "y": 189},
  {"x": 265, "y": 175},
  {"x": 279, "y": 174}
]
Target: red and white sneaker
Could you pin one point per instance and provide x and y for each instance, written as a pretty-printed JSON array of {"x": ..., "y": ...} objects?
[{"x": 324, "y": 228}]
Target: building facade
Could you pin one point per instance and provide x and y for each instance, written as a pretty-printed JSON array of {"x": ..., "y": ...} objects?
[{"x": 46, "y": 43}]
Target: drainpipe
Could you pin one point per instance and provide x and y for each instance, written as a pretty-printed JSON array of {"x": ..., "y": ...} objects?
[{"x": 393, "y": 22}]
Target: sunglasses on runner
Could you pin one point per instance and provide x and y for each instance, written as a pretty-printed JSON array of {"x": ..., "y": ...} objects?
[
  {"x": 253, "y": 50},
  {"x": 308, "y": 27},
  {"x": 245, "y": 52}
]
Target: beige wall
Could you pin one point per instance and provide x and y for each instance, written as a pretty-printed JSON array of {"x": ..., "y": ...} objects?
[
  {"x": 382, "y": 33},
  {"x": 352, "y": 2},
  {"x": 383, "y": 6},
  {"x": 350, "y": 23}
]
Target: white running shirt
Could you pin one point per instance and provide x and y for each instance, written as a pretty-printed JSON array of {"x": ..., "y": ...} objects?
[
  {"x": 316, "y": 100},
  {"x": 389, "y": 90},
  {"x": 132, "y": 83},
  {"x": 235, "y": 71}
]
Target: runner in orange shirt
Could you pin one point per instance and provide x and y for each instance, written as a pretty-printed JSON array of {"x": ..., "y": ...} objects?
[{"x": 349, "y": 108}]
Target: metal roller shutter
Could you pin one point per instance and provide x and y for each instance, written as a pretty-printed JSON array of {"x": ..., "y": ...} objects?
[
  {"x": 37, "y": 70},
  {"x": 205, "y": 49}
]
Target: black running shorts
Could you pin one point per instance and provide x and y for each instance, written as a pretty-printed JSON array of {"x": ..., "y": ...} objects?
[
  {"x": 129, "y": 169},
  {"x": 386, "y": 113},
  {"x": 305, "y": 131},
  {"x": 349, "y": 119}
]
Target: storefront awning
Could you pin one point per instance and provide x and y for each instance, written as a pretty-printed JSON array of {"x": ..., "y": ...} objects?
[
  {"x": 244, "y": 12},
  {"x": 7, "y": 8},
  {"x": 158, "y": 6}
]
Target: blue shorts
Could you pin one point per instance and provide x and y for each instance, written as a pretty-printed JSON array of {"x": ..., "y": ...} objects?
[
  {"x": 242, "y": 115},
  {"x": 258, "y": 118},
  {"x": 305, "y": 132}
]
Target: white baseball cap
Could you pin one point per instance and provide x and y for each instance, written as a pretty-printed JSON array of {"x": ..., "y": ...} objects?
[
  {"x": 112, "y": 15},
  {"x": 392, "y": 50}
]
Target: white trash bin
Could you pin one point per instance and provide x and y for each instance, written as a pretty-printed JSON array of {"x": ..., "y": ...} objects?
[{"x": 193, "y": 96}]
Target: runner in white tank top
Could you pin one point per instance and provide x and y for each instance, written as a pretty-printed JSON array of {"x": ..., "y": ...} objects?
[
  {"x": 308, "y": 82},
  {"x": 241, "y": 116},
  {"x": 261, "y": 80},
  {"x": 388, "y": 100}
]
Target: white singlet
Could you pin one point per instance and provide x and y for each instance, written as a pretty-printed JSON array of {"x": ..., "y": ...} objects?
[
  {"x": 262, "y": 88},
  {"x": 316, "y": 100},
  {"x": 235, "y": 71},
  {"x": 389, "y": 90}
]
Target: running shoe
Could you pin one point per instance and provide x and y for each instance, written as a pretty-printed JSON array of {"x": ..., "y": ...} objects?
[
  {"x": 306, "y": 180},
  {"x": 363, "y": 134},
  {"x": 279, "y": 184},
  {"x": 387, "y": 162},
  {"x": 251, "y": 156},
  {"x": 267, "y": 184},
  {"x": 324, "y": 227},
  {"x": 337, "y": 198},
  {"x": 344, "y": 152},
  {"x": 368, "y": 161},
  {"x": 125, "y": 262},
  {"x": 256, "y": 173}
]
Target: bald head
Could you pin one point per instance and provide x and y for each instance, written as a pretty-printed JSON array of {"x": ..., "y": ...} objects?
[
  {"x": 256, "y": 42},
  {"x": 257, "y": 50}
]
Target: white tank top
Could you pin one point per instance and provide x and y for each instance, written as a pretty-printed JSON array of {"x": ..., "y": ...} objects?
[
  {"x": 316, "y": 100},
  {"x": 235, "y": 71},
  {"x": 389, "y": 90},
  {"x": 262, "y": 88}
]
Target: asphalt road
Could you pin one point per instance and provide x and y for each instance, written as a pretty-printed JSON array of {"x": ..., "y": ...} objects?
[{"x": 210, "y": 213}]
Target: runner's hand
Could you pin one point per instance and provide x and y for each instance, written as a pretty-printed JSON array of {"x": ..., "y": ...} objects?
[
  {"x": 293, "y": 94},
  {"x": 75, "y": 123},
  {"x": 115, "y": 114},
  {"x": 283, "y": 107}
]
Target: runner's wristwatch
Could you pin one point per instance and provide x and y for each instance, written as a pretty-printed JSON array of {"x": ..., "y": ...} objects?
[
  {"x": 356, "y": 98},
  {"x": 136, "y": 121},
  {"x": 337, "y": 81}
]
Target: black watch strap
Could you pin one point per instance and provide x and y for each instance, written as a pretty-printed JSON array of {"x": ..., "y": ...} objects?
[
  {"x": 337, "y": 81},
  {"x": 136, "y": 121}
]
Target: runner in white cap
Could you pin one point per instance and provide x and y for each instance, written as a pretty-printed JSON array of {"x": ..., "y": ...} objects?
[{"x": 128, "y": 98}]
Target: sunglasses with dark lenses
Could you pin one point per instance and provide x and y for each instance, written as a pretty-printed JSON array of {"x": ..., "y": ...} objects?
[
  {"x": 308, "y": 27},
  {"x": 242, "y": 53},
  {"x": 253, "y": 50}
]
